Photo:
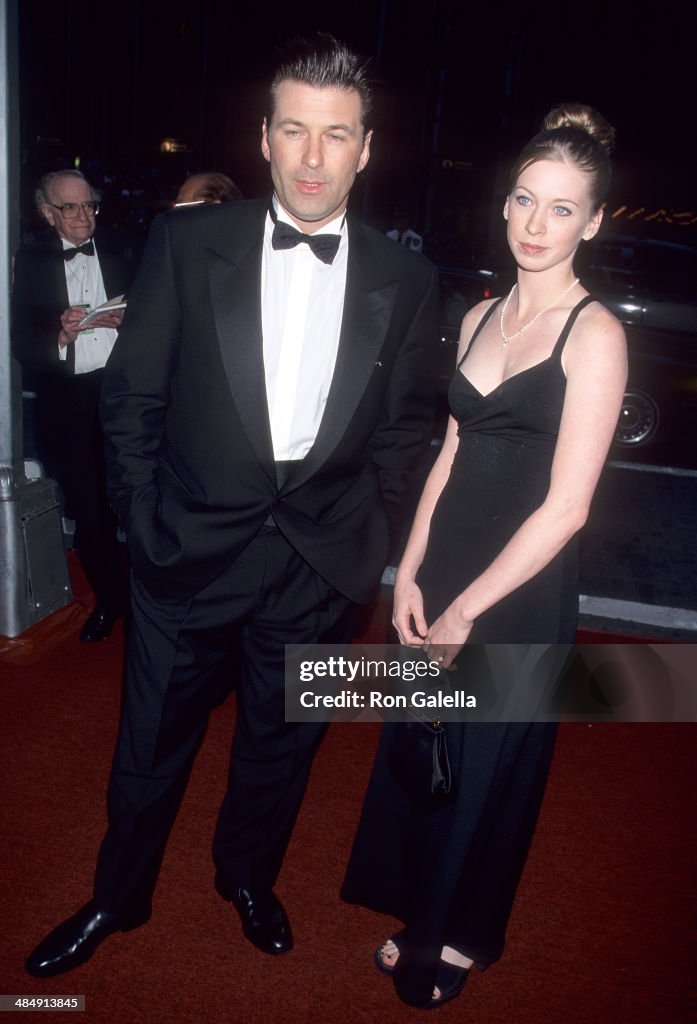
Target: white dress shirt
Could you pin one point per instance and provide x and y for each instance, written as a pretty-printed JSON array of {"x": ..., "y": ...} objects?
[
  {"x": 86, "y": 288},
  {"x": 302, "y": 304}
]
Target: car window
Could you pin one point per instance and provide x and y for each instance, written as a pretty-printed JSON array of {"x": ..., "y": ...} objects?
[
  {"x": 661, "y": 270},
  {"x": 613, "y": 263},
  {"x": 670, "y": 272},
  {"x": 461, "y": 290},
  {"x": 453, "y": 301}
]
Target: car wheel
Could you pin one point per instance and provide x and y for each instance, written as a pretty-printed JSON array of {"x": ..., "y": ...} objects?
[{"x": 639, "y": 419}]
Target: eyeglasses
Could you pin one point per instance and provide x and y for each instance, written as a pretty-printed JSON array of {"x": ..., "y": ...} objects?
[{"x": 71, "y": 210}]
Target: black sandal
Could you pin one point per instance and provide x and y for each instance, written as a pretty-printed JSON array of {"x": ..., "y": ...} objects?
[
  {"x": 377, "y": 956},
  {"x": 450, "y": 981},
  {"x": 415, "y": 978}
]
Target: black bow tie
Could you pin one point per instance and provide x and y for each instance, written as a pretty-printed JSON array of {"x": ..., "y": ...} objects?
[
  {"x": 87, "y": 249},
  {"x": 285, "y": 236}
]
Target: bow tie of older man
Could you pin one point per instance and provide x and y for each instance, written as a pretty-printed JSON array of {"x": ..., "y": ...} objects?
[{"x": 86, "y": 249}]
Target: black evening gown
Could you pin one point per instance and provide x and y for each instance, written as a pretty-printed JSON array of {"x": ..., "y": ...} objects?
[{"x": 451, "y": 875}]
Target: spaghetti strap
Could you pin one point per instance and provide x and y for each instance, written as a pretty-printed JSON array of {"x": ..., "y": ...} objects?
[
  {"x": 570, "y": 321},
  {"x": 482, "y": 323}
]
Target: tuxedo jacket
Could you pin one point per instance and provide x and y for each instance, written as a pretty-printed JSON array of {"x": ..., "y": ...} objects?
[
  {"x": 40, "y": 294},
  {"x": 190, "y": 461}
]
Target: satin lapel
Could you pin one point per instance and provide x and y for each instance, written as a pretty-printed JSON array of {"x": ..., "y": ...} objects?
[
  {"x": 368, "y": 306},
  {"x": 235, "y": 285}
]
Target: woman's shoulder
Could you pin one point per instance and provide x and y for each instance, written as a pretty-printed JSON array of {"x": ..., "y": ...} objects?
[
  {"x": 597, "y": 336},
  {"x": 595, "y": 319},
  {"x": 474, "y": 316}
]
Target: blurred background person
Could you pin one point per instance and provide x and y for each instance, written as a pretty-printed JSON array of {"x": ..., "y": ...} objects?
[
  {"x": 71, "y": 268},
  {"x": 207, "y": 187},
  {"x": 403, "y": 232}
]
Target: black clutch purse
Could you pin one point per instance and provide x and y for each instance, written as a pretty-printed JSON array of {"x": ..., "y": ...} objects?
[{"x": 419, "y": 762}]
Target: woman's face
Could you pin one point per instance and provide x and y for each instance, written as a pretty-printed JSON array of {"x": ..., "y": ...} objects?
[{"x": 549, "y": 212}]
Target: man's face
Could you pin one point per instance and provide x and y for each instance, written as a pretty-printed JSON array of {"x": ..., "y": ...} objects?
[
  {"x": 315, "y": 145},
  {"x": 67, "y": 189}
]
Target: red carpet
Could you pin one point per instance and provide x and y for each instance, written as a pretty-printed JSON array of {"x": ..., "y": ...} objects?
[{"x": 603, "y": 928}]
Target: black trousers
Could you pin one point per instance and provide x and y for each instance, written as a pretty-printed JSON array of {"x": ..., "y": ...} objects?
[
  {"x": 70, "y": 444},
  {"x": 268, "y": 597}
]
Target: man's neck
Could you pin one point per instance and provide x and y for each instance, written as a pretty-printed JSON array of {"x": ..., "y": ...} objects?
[
  {"x": 74, "y": 245},
  {"x": 332, "y": 226}
]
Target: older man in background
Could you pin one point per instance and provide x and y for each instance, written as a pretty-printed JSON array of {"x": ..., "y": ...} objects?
[{"x": 72, "y": 269}]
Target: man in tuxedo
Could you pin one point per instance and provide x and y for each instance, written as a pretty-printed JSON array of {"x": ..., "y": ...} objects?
[
  {"x": 72, "y": 268},
  {"x": 270, "y": 392}
]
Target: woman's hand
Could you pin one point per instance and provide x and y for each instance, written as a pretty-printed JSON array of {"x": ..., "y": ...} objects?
[
  {"x": 447, "y": 635},
  {"x": 409, "y": 608}
]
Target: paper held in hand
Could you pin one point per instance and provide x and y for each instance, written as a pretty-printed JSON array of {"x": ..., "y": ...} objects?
[{"x": 111, "y": 306}]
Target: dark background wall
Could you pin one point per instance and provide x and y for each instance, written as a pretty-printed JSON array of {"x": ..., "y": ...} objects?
[{"x": 465, "y": 85}]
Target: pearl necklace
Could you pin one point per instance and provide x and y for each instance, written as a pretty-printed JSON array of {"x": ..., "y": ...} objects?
[{"x": 510, "y": 337}]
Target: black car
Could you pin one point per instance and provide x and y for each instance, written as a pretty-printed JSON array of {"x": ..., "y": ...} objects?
[
  {"x": 650, "y": 285},
  {"x": 659, "y": 410},
  {"x": 646, "y": 282}
]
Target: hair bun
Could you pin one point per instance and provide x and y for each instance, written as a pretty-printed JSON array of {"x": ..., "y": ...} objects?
[{"x": 582, "y": 118}]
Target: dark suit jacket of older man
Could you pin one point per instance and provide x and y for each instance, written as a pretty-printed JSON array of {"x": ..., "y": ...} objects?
[
  {"x": 40, "y": 294},
  {"x": 68, "y": 437}
]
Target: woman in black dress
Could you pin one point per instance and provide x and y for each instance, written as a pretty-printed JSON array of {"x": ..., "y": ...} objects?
[{"x": 491, "y": 558}]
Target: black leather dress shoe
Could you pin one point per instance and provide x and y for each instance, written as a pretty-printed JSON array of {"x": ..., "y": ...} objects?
[
  {"x": 73, "y": 942},
  {"x": 264, "y": 921},
  {"x": 98, "y": 625}
]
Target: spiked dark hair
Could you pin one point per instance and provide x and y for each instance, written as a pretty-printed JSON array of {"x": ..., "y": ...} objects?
[{"x": 323, "y": 61}]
